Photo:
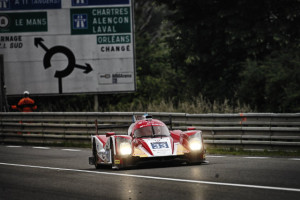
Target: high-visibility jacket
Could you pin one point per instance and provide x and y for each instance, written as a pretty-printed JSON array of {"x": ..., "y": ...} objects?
[{"x": 26, "y": 104}]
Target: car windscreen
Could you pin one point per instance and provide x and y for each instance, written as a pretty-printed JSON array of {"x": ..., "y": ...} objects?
[{"x": 152, "y": 131}]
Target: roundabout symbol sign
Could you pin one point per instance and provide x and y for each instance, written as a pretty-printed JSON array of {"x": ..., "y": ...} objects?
[{"x": 71, "y": 61}]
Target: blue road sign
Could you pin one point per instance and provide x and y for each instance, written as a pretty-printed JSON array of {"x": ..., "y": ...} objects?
[
  {"x": 29, "y": 5},
  {"x": 98, "y": 2},
  {"x": 80, "y": 21}
]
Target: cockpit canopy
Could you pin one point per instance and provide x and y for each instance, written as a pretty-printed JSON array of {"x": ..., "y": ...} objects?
[
  {"x": 148, "y": 128},
  {"x": 152, "y": 131}
]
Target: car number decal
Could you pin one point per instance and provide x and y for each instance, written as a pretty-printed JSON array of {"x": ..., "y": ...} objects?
[{"x": 159, "y": 145}]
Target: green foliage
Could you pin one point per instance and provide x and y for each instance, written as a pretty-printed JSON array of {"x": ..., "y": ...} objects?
[
  {"x": 273, "y": 85},
  {"x": 78, "y": 103},
  {"x": 251, "y": 152},
  {"x": 193, "y": 105},
  {"x": 214, "y": 38}
]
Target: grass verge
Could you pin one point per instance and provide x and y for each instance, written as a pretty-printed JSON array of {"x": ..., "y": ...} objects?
[{"x": 253, "y": 152}]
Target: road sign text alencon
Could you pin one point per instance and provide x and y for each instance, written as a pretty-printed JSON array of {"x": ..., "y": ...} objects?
[{"x": 107, "y": 20}]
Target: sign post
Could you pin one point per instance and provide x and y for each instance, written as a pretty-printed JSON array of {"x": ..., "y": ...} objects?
[
  {"x": 68, "y": 47},
  {"x": 3, "y": 99},
  {"x": 1, "y": 84}
]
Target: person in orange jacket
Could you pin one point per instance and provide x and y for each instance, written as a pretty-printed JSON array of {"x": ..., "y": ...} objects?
[{"x": 26, "y": 104}]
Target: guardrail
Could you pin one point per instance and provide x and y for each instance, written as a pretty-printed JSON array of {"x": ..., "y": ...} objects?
[{"x": 267, "y": 130}]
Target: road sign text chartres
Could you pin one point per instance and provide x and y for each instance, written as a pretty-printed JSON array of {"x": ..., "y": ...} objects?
[{"x": 101, "y": 20}]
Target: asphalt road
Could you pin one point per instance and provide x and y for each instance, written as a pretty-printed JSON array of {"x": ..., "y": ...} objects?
[{"x": 64, "y": 173}]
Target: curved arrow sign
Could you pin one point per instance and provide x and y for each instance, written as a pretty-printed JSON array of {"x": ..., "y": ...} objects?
[{"x": 70, "y": 56}]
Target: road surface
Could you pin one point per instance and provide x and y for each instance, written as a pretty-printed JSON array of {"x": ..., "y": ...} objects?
[{"x": 28, "y": 172}]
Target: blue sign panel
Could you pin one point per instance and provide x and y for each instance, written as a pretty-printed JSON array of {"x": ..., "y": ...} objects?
[
  {"x": 98, "y": 2},
  {"x": 29, "y": 4},
  {"x": 80, "y": 21}
]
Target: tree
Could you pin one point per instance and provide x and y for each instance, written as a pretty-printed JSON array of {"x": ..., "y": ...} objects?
[
  {"x": 273, "y": 85},
  {"x": 214, "y": 37}
]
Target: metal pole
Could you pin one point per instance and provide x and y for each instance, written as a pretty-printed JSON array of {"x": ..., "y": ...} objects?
[
  {"x": 96, "y": 103},
  {"x": 3, "y": 100},
  {"x": 1, "y": 78},
  {"x": 2, "y": 84}
]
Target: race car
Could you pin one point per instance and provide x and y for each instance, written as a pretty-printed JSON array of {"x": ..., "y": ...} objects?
[{"x": 148, "y": 140}]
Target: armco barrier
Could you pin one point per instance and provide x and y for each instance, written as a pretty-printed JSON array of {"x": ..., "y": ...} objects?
[{"x": 249, "y": 129}]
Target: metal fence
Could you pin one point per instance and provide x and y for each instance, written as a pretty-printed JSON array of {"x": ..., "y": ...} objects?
[{"x": 266, "y": 130}]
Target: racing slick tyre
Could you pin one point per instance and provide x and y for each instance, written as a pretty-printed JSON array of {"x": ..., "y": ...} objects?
[
  {"x": 195, "y": 158},
  {"x": 112, "y": 153},
  {"x": 116, "y": 161},
  {"x": 97, "y": 166}
]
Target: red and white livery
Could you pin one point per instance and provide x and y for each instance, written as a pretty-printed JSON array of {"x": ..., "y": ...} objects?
[{"x": 147, "y": 140}]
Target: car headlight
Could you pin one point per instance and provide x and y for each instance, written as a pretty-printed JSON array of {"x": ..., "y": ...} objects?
[
  {"x": 125, "y": 148},
  {"x": 195, "y": 144}
]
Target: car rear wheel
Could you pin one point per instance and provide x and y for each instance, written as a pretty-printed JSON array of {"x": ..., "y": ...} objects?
[
  {"x": 97, "y": 166},
  {"x": 112, "y": 153}
]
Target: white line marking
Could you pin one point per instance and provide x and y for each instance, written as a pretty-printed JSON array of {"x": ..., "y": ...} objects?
[
  {"x": 159, "y": 178},
  {"x": 14, "y": 146},
  {"x": 71, "y": 150},
  {"x": 215, "y": 156},
  {"x": 257, "y": 157},
  {"x": 298, "y": 159},
  {"x": 46, "y": 148}
]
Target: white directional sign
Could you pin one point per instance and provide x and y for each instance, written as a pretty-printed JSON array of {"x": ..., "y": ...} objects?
[{"x": 65, "y": 47}]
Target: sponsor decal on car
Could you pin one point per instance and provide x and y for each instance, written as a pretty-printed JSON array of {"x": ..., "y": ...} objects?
[{"x": 159, "y": 146}]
